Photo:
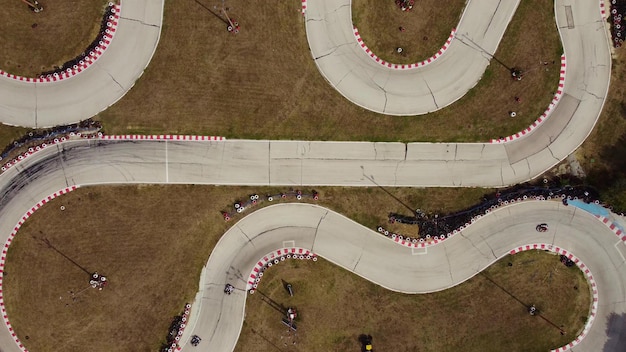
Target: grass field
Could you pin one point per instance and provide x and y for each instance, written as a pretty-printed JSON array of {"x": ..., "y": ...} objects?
[
  {"x": 31, "y": 43},
  {"x": 602, "y": 154},
  {"x": 203, "y": 80},
  {"x": 247, "y": 86},
  {"x": 335, "y": 307},
  {"x": 137, "y": 239},
  {"x": 425, "y": 28}
]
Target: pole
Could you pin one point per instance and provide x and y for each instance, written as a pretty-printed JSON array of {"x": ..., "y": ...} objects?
[
  {"x": 29, "y": 4},
  {"x": 390, "y": 194},
  {"x": 510, "y": 69}
]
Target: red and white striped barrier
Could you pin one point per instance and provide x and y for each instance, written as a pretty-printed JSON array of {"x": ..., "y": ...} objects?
[
  {"x": 590, "y": 280},
  {"x": 273, "y": 258},
  {"x": 401, "y": 66},
  {"x": 100, "y": 135},
  {"x": 545, "y": 115},
  {"x": 303, "y": 7},
  {"x": 176, "y": 345},
  {"x": 31, "y": 151},
  {"x": 112, "y": 23},
  {"x": 4, "y": 255},
  {"x": 611, "y": 225},
  {"x": 602, "y": 9},
  {"x": 162, "y": 137}
]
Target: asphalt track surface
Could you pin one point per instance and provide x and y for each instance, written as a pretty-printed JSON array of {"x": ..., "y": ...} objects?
[{"x": 240, "y": 162}]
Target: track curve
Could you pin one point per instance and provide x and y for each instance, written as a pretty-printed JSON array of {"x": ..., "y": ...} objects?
[
  {"x": 360, "y": 79},
  {"x": 48, "y": 104},
  {"x": 328, "y": 234}
]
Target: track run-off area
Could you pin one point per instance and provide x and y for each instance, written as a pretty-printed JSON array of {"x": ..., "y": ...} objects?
[{"x": 367, "y": 83}]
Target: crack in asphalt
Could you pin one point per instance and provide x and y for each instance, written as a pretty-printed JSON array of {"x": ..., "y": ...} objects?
[
  {"x": 552, "y": 153},
  {"x": 332, "y": 51},
  {"x": 357, "y": 261},
  {"x": 395, "y": 174},
  {"x": 449, "y": 266},
  {"x": 245, "y": 234},
  {"x": 317, "y": 229},
  {"x": 431, "y": 93},
  {"x": 110, "y": 75},
  {"x": 492, "y": 17},
  {"x": 138, "y": 21}
]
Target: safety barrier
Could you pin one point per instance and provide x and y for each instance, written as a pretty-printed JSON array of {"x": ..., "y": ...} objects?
[
  {"x": 546, "y": 114},
  {"x": 254, "y": 199},
  {"x": 273, "y": 258},
  {"x": 465, "y": 218},
  {"x": 618, "y": 29},
  {"x": 436, "y": 225},
  {"x": 303, "y": 7},
  {"x": 588, "y": 276},
  {"x": 611, "y": 225},
  {"x": 102, "y": 42},
  {"x": 401, "y": 66},
  {"x": 6, "y": 248},
  {"x": 163, "y": 137},
  {"x": 176, "y": 331},
  {"x": 102, "y": 136}
]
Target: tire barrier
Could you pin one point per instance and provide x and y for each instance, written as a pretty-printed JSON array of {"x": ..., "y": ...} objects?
[
  {"x": 618, "y": 11},
  {"x": 176, "y": 329},
  {"x": 390, "y": 65},
  {"x": 87, "y": 129},
  {"x": 36, "y": 140},
  {"x": 75, "y": 66},
  {"x": 255, "y": 199},
  {"x": 546, "y": 113},
  {"x": 273, "y": 258},
  {"x": 570, "y": 258},
  {"x": 434, "y": 228}
]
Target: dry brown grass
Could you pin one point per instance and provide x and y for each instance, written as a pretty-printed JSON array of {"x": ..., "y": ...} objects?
[
  {"x": 8, "y": 134},
  {"x": 335, "y": 307},
  {"x": 151, "y": 241},
  {"x": 426, "y": 27},
  {"x": 262, "y": 82},
  {"x": 31, "y": 43},
  {"x": 611, "y": 125}
]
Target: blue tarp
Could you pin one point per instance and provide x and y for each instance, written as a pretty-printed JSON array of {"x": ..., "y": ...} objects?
[{"x": 595, "y": 209}]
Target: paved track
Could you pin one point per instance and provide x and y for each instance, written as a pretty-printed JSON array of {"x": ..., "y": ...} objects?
[
  {"x": 332, "y": 236},
  {"x": 80, "y": 97},
  {"x": 301, "y": 163}
]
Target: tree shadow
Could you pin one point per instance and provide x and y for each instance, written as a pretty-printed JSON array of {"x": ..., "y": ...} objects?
[
  {"x": 616, "y": 331},
  {"x": 610, "y": 178}
]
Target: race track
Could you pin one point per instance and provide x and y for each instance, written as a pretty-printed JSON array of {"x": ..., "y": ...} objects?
[{"x": 356, "y": 76}]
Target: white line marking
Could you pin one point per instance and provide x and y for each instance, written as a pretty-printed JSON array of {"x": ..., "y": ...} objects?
[
  {"x": 167, "y": 173},
  {"x": 618, "y": 251}
]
